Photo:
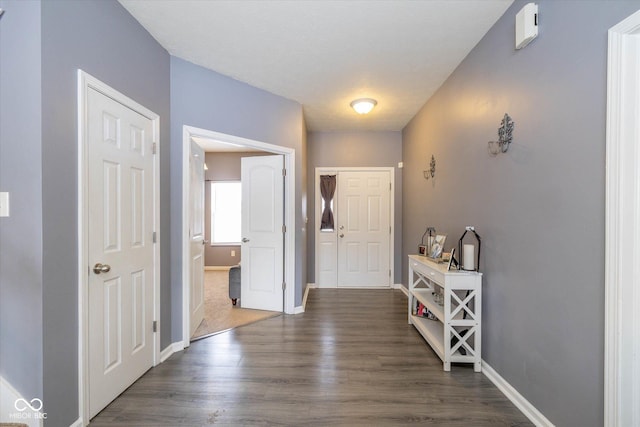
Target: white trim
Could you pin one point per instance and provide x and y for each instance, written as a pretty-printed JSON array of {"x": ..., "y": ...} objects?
[
  {"x": 8, "y": 398},
  {"x": 402, "y": 288},
  {"x": 306, "y": 295},
  {"x": 392, "y": 208},
  {"x": 298, "y": 309},
  {"x": 622, "y": 221},
  {"x": 516, "y": 398},
  {"x": 86, "y": 81},
  {"x": 170, "y": 349},
  {"x": 77, "y": 423},
  {"x": 189, "y": 132}
]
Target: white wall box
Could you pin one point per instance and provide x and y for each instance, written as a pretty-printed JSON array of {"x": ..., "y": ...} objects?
[
  {"x": 455, "y": 333},
  {"x": 526, "y": 25}
]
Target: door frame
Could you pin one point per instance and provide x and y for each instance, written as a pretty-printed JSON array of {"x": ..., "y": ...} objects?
[
  {"x": 622, "y": 237},
  {"x": 323, "y": 170},
  {"x": 189, "y": 132},
  {"x": 86, "y": 82}
]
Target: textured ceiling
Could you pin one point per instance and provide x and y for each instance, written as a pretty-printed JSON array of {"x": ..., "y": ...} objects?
[{"x": 323, "y": 54}]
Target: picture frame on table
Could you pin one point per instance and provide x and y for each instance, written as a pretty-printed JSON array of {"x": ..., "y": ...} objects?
[{"x": 437, "y": 247}]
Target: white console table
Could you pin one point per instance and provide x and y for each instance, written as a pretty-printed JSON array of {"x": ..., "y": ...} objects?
[{"x": 456, "y": 334}]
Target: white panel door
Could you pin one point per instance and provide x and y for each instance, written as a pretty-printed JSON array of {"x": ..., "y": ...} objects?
[
  {"x": 121, "y": 256},
  {"x": 262, "y": 255},
  {"x": 196, "y": 235},
  {"x": 363, "y": 228}
]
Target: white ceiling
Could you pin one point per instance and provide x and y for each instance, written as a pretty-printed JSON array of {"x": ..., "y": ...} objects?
[{"x": 325, "y": 53}]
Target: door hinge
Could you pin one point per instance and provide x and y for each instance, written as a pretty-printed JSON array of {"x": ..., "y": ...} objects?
[
  {"x": 389, "y": 231},
  {"x": 389, "y": 273},
  {"x": 284, "y": 228},
  {"x": 284, "y": 172},
  {"x": 155, "y": 326},
  {"x": 155, "y": 237},
  {"x": 154, "y": 148},
  {"x": 284, "y": 285},
  {"x": 389, "y": 186}
]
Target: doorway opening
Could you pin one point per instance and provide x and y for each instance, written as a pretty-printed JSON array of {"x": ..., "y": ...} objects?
[
  {"x": 222, "y": 242},
  {"x": 288, "y": 197},
  {"x": 622, "y": 215}
]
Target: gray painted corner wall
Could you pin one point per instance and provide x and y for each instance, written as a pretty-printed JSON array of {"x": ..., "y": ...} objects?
[
  {"x": 539, "y": 208},
  {"x": 221, "y": 167},
  {"x": 21, "y": 176},
  {"x": 208, "y": 100},
  {"x": 354, "y": 149},
  {"x": 103, "y": 39}
]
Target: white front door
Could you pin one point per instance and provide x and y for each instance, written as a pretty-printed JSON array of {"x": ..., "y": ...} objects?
[
  {"x": 262, "y": 256},
  {"x": 120, "y": 247},
  {"x": 196, "y": 235},
  {"x": 363, "y": 228}
]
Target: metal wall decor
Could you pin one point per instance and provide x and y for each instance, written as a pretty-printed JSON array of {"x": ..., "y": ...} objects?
[
  {"x": 505, "y": 136},
  {"x": 431, "y": 172}
]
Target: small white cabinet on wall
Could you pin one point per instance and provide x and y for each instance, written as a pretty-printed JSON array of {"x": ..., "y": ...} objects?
[{"x": 451, "y": 305}]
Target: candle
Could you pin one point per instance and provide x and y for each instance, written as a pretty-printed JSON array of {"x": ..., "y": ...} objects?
[{"x": 468, "y": 257}]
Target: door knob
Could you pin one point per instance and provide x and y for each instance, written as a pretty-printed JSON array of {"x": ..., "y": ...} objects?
[
  {"x": 341, "y": 235},
  {"x": 204, "y": 242},
  {"x": 342, "y": 227},
  {"x": 245, "y": 240},
  {"x": 101, "y": 268}
]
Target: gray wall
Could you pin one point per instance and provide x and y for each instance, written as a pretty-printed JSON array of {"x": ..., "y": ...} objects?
[
  {"x": 21, "y": 176},
  {"x": 208, "y": 100},
  {"x": 354, "y": 149},
  {"x": 222, "y": 167},
  {"x": 539, "y": 208},
  {"x": 103, "y": 39}
]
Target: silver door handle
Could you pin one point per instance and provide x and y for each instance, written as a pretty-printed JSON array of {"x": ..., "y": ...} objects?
[
  {"x": 245, "y": 240},
  {"x": 101, "y": 268},
  {"x": 342, "y": 227},
  {"x": 204, "y": 242},
  {"x": 341, "y": 235}
]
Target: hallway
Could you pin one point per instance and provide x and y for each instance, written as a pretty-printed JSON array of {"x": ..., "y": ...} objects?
[{"x": 350, "y": 359}]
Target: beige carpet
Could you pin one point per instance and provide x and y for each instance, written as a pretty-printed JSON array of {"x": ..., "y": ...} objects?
[{"x": 219, "y": 312}]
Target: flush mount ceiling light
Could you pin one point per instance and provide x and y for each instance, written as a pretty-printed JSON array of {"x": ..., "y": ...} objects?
[{"x": 363, "y": 105}]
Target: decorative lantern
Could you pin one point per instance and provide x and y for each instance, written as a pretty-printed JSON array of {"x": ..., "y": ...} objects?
[{"x": 469, "y": 252}]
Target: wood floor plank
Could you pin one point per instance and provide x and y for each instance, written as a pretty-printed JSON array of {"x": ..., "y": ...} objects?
[{"x": 351, "y": 359}]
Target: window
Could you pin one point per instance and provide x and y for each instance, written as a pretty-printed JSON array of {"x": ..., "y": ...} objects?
[
  {"x": 226, "y": 213},
  {"x": 327, "y": 191}
]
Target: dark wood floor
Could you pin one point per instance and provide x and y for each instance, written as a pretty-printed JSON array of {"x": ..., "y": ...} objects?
[{"x": 350, "y": 359}]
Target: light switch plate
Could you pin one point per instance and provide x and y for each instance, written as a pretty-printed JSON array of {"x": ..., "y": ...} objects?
[{"x": 4, "y": 204}]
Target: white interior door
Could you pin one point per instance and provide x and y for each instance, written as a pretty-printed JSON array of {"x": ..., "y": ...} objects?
[
  {"x": 262, "y": 255},
  {"x": 196, "y": 235},
  {"x": 364, "y": 228},
  {"x": 120, "y": 248}
]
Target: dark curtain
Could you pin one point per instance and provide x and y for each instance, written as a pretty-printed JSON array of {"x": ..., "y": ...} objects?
[{"x": 327, "y": 190}]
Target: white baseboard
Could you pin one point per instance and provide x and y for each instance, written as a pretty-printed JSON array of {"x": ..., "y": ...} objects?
[
  {"x": 516, "y": 398},
  {"x": 10, "y": 398},
  {"x": 171, "y": 348},
  {"x": 401, "y": 287},
  {"x": 217, "y": 267},
  {"x": 301, "y": 309},
  {"x": 77, "y": 423}
]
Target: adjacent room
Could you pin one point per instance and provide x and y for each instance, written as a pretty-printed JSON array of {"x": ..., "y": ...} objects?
[
  {"x": 222, "y": 240},
  {"x": 314, "y": 212}
]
